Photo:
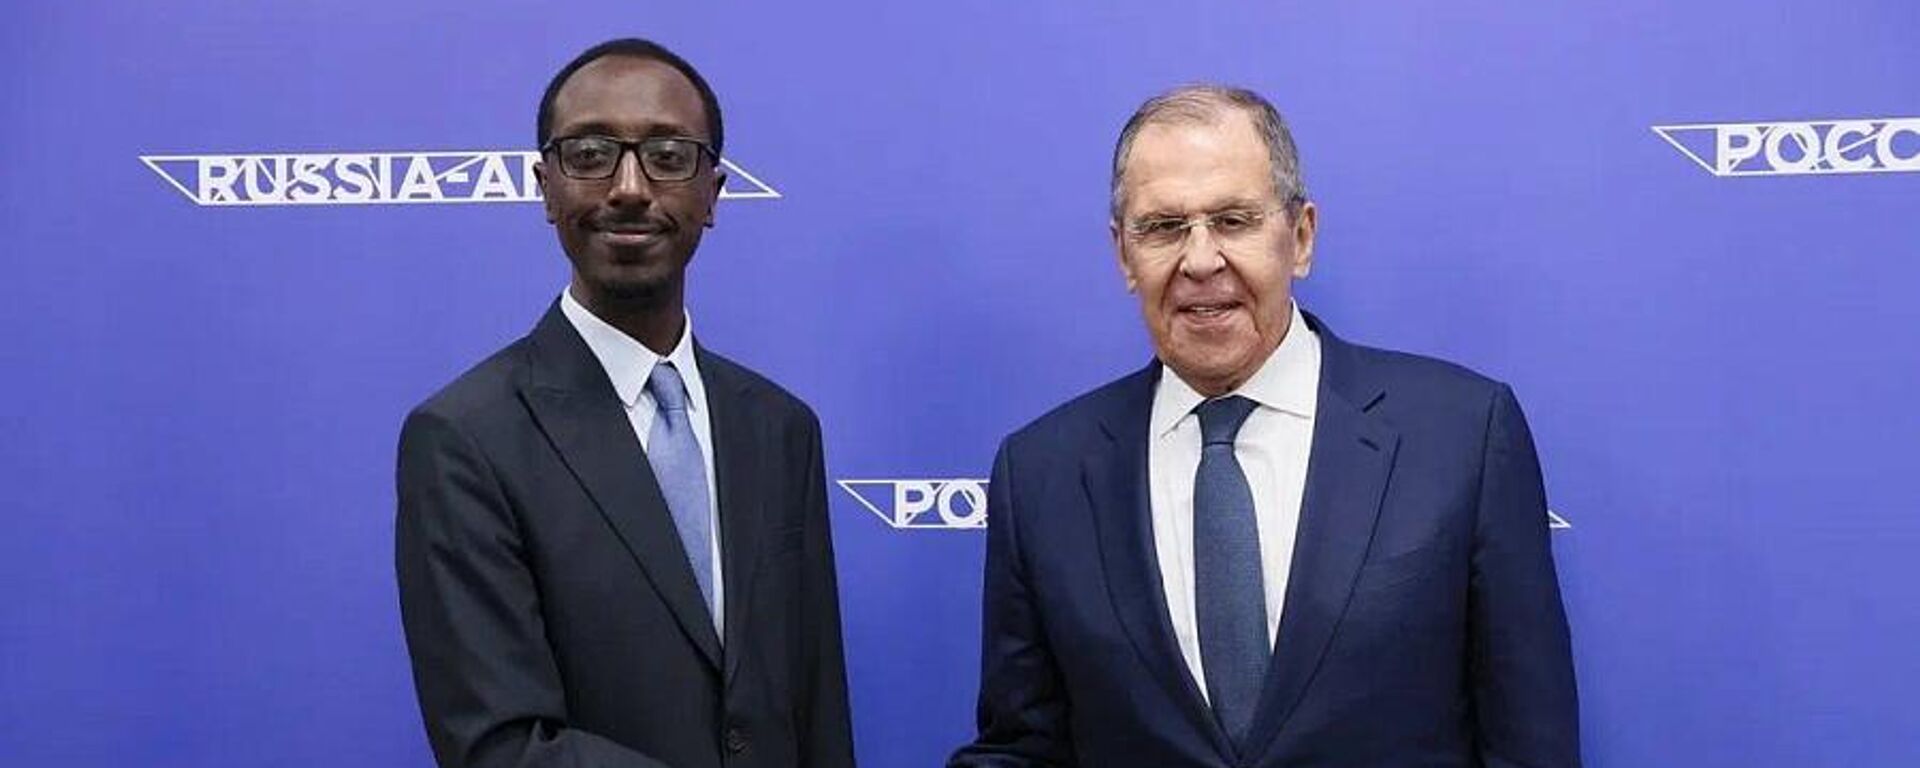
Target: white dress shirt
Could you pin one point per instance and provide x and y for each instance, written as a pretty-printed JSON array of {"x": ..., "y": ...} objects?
[
  {"x": 629, "y": 364},
  {"x": 1273, "y": 448}
]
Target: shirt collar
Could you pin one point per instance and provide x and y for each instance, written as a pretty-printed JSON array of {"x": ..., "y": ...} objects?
[
  {"x": 1288, "y": 381},
  {"x": 629, "y": 363}
]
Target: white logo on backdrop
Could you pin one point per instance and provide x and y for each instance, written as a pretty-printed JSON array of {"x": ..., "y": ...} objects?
[
  {"x": 1814, "y": 147},
  {"x": 949, "y": 503},
  {"x": 958, "y": 503},
  {"x": 378, "y": 178}
]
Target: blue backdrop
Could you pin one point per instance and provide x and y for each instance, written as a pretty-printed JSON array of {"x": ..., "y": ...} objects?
[{"x": 202, "y": 398}]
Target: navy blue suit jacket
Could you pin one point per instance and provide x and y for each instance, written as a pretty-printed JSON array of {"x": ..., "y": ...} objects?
[{"x": 1422, "y": 626}]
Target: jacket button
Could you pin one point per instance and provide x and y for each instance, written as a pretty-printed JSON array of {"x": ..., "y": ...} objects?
[{"x": 736, "y": 741}]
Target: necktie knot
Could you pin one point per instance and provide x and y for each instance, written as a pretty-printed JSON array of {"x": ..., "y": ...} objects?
[
  {"x": 1220, "y": 419},
  {"x": 669, "y": 392}
]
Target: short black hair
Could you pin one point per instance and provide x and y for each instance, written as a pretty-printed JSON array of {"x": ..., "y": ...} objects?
[{"x": 638, "y": 48}]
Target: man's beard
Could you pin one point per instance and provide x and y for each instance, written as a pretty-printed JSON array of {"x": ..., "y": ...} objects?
[{"x": 640, "y": 293}]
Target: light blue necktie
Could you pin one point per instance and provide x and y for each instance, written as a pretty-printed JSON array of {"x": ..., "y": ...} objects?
[
  {"x": 682, "y": 472},
  {"x": 1230, "y": 601}
]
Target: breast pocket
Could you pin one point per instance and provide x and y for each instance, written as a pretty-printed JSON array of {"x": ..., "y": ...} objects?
[{"x": 1386, "y": 572}]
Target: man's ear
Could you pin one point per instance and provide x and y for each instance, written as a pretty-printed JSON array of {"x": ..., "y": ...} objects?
[
  {"x": 540, "y": 180},
  {"x": 719, "y": 186},
  {"x": 1120, "y": 253},
  {"x": 1306, "y": 225}
]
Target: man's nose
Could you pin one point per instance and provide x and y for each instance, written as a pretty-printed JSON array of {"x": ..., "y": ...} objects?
[
  {"x": 1200, "y": 255},
  {"x": 630, "y": 185}
]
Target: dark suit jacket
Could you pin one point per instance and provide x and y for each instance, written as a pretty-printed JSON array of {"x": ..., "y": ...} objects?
[
  {"x": 1422, "y": 625},
  {"x": 549, "y": 608}
]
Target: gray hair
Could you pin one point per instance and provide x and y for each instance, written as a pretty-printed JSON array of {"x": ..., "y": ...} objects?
[{"x": 1205, "y": 104}]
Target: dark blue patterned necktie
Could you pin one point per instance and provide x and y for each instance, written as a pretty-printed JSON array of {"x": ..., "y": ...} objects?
[{"x": 1230, "y": 601}]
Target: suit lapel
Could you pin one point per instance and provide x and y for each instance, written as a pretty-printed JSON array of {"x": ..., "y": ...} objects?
[
  {"x": 575, "y": 405},
  {"x": 1352, "y": 460},
  {"x": 1116, "y": 483},
  {"x": 739, "y": 473}
]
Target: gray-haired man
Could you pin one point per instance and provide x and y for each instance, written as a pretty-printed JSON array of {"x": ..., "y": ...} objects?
[{"x": 1270, "y": 546}]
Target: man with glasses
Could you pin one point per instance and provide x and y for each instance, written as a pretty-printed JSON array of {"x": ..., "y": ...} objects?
[
  {"x": 1269, "y": 547},
  {"x": 612, "y": 543}
]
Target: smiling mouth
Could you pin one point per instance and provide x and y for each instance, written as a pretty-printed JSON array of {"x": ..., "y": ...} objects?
[
  {"x": 1209, "y": 311},
  {"x": 631, "y": 235}
]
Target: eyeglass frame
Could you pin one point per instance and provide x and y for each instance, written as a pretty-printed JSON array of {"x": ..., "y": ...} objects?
[
  {"x": 1206, "y": 220},
  {"x": 626, "y": 148}
]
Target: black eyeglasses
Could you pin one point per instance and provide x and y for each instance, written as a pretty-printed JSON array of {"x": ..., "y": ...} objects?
[{"x": 663, "y": 158}]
